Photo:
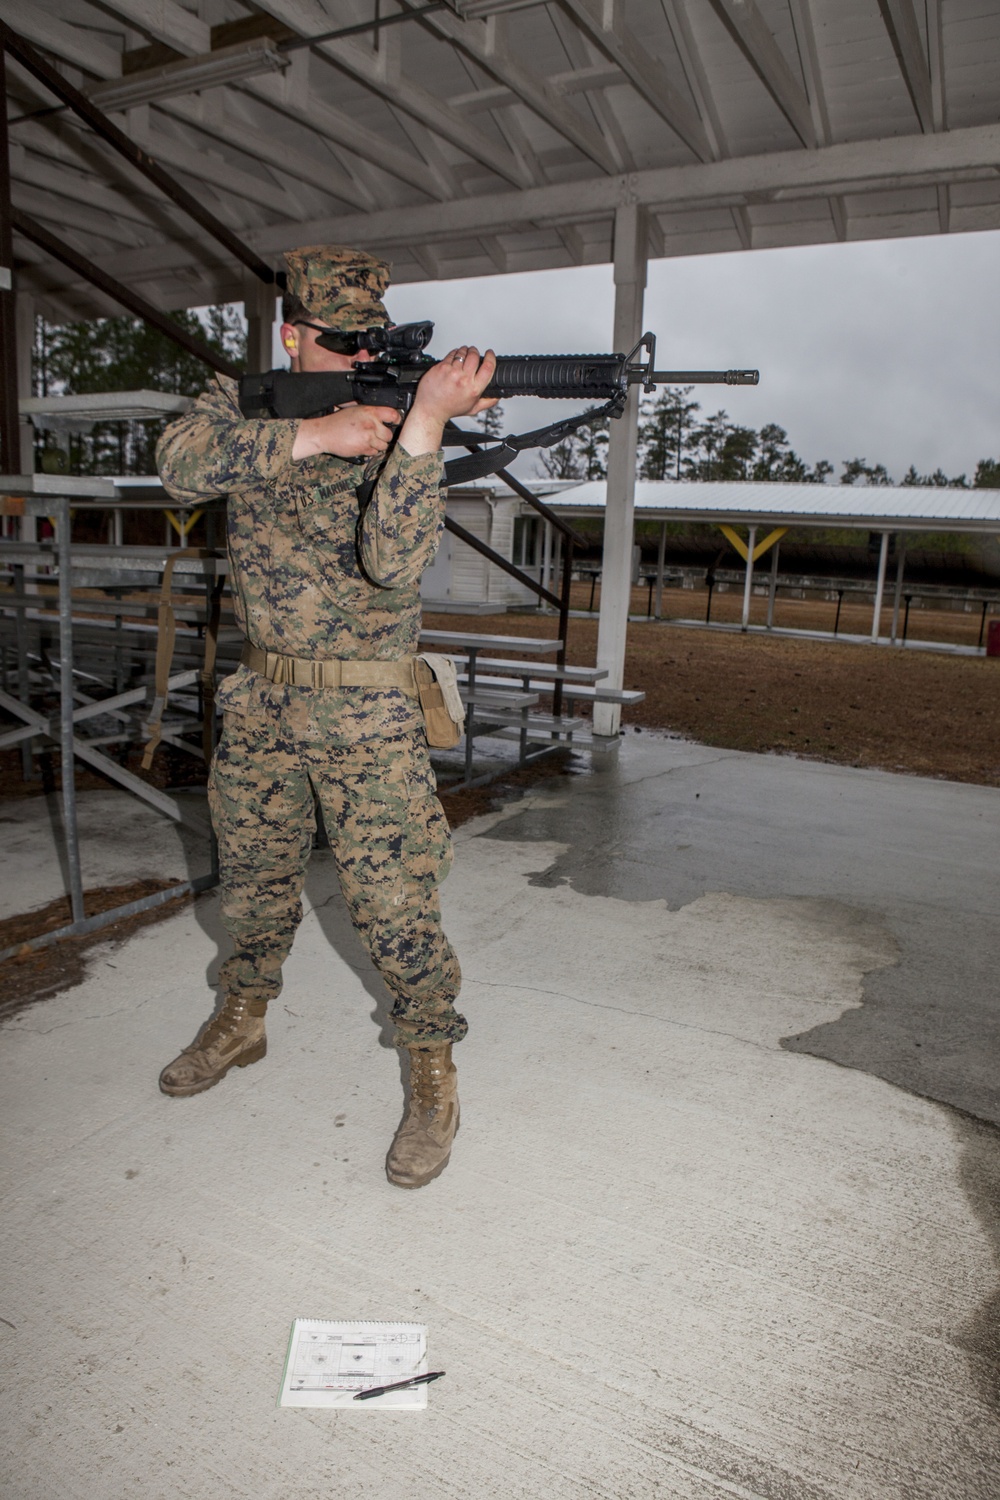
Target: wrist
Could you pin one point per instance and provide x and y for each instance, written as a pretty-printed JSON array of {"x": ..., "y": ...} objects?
[
  {"x": 303, "y": 444},
  {"x": 308, "y": 439},
  {"x": 421, "y": 433}
]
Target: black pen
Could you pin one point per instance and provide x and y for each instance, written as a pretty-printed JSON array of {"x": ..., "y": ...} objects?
[{"x": 399, "y": 1385}]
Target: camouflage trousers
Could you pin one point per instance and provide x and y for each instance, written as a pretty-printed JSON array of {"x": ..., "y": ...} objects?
[{"x": 390, "y": 840}]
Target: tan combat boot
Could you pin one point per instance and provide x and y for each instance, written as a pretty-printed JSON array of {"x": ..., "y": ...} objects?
[
  {"x": 422, "y": 1145},
  {"x": 233, "y": 1038}
]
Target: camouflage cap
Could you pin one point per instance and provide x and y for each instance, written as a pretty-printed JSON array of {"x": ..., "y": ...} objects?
[{"x": 338, "y": 285}]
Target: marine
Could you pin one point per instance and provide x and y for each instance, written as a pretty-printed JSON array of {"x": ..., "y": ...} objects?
[{"x": 324, "y": 708}]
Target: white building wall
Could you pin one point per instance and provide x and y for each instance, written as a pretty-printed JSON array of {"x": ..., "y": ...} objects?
[
  {"x": 461, "y": 575},
  {"x": 469, "y": 570}
]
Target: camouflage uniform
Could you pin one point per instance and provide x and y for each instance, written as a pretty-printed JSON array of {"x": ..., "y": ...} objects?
[{"x": 362, "y": 752}]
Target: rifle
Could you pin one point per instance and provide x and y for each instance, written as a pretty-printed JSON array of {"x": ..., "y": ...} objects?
[{"x": 391, "y": 379}]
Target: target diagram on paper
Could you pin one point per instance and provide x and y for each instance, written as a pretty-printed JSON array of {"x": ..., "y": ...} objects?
[{"x": 338, "y": 1359}]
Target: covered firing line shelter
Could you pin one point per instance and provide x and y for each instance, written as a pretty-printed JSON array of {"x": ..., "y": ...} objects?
[
  {"x": 471, "y": 137},
  {"x": 766, "y": 512}
]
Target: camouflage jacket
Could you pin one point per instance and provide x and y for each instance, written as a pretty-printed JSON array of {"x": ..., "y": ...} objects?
[{"x": 294, "y": 575}]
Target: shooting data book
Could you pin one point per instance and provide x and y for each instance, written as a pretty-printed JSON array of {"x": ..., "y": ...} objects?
[{"x": 328, "y": 1363}]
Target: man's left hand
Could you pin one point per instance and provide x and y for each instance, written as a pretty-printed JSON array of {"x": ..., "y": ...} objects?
[{"x": 451, "y": 388}]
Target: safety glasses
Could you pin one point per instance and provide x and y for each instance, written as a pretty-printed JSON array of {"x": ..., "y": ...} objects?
[{"x": 334, "y": 339}]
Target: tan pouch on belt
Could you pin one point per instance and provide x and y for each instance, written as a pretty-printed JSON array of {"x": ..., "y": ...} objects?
[{"x": 440, "y": 701}]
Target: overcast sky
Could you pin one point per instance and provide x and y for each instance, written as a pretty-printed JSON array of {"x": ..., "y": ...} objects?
[{"x": 887, "y": 350}]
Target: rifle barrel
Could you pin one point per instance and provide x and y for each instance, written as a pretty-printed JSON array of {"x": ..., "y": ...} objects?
[{"x": 702, "y": 377}]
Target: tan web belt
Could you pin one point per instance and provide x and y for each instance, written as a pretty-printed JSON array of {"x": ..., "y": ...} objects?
[{"x": 302, "y": 671}]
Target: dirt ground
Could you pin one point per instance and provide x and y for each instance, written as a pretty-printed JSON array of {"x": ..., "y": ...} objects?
[
  {"x": 34, "y": 974},
  {"x": 855, "y": 705}
]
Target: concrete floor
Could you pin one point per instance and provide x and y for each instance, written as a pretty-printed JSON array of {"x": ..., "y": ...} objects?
[{"x": 678, "y": 1252}]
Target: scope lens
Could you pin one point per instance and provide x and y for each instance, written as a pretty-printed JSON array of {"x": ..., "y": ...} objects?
[{"x": 410, "y": 335}]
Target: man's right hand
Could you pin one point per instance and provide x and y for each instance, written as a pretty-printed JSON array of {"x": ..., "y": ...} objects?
[{"x": 349, "y": 432}]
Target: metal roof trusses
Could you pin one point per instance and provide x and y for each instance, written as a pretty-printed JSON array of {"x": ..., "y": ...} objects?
[{"x": 485, "y": 136}]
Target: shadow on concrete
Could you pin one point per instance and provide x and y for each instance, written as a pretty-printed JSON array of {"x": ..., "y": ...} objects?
[
  {"x": 979, "y": 1174},
  {"x": 334, "y": 921}
]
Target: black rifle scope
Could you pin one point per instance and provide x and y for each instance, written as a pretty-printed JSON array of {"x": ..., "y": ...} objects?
[{"x": 404, "y": 336}]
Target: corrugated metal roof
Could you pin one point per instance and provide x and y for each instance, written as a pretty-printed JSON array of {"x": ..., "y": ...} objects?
[{"x": 871, "y": 507}]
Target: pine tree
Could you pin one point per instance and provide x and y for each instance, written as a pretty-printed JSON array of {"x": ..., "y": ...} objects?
[
  {"x": 709, "y": 438},
  {"x": 665, "y": 427},
  {"x": 778, "y": 462},
  {"x": 939, "y": 479},
  {"x": 124, "y": 354},
  {"x": 492, "y": 421},
  {"x": 593, "y": 450},
  {"x": 563, "y": 460},
  {"x": 581, "y": 455},
  {"x": 859, "y": 469}
]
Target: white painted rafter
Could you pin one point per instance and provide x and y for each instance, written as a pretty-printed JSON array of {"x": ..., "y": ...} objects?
[
  {"x": 165, "y": 21},
  {"x": 172, "y": 24},
  {"x": 805, "y": 36},
  {"x": 576, "y": 50},
  {"x": 293, "y": 163},
  {"x": 485, "y": 43},
  {"x": 901, "y": 23},
  {"x": 337, "y": 126},
  {"x": 309, "y": 19},
  {"x": 696, "y": 75},
  {"x": 69, "y": 43},
  {"x": 192, "y": 110},
  {"x": 426, "y": 144},
  {"x": 193, "y": 159},
  {"x": 972, "y": 154},
  {"x": 66, "y": 185},
  {"x": 935, "y": 58},
  {"x": 646, "y": 75},
  {"x": 751, "y": 33},
  {"x": 37, "y": 196}
]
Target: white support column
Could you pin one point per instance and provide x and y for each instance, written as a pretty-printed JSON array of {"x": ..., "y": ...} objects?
[
  {"x": 883, "y": 558},
  {"x": 547, "y": 557},
  {"x": 773, "y": 589},
  {"x": 24, "y": 321},
  {"x": 661, "y": 557},
  {"x": 748, "y": 581},
  {"x": 259, "y": 309},
  {"x": 619, "y": 516},
  {"x": 900, "y": 565}
]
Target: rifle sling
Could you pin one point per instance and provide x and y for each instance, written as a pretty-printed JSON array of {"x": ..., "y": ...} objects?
[
  {"x": 479, "y": 463},
  {"x": 491, "y": 460}
]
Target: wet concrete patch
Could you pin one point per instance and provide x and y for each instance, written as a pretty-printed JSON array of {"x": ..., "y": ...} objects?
[
  {"x": 932, "y": 1024},
  {"x": 669, "y": 821}
]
